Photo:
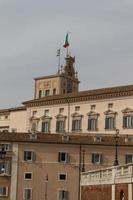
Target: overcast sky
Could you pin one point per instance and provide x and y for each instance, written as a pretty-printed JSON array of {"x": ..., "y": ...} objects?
[{"x": 31, "y": 31}]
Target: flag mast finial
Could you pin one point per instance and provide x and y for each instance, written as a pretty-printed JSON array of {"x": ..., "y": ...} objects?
[{"x": 58, "y": 54}]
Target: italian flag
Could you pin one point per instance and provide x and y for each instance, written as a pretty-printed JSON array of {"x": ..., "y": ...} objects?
[{"x": 66, "y": 41}]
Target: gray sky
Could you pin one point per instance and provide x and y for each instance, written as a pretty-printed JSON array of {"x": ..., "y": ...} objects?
[{"x": 31, "y": 31}]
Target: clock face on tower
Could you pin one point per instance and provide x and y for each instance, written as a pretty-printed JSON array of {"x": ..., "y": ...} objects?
[{"x": 69, "y": 86}]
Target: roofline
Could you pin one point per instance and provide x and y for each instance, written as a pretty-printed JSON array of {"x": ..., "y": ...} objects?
[
  {"x": 84, "y": 139},
  {"x": 8, "y": 110},
  {"x": 89, "y": 95}
]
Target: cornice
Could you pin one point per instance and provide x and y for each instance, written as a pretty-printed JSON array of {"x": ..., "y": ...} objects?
[{"x": 98, "y": 94}]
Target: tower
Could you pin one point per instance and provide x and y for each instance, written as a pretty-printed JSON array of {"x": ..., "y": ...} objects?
[{"x": 64, "y": 82}]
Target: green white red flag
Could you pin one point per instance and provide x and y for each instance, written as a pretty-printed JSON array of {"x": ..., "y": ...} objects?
[{"x": 66, "y": 44}]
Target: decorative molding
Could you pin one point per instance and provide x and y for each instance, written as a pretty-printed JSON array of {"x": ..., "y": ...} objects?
[
  {"x": 93, "y": 114},
  {"x": 110, "y": 112},
  {"x": 127, "y": 110},
  {"x": 98, "y": 94}
]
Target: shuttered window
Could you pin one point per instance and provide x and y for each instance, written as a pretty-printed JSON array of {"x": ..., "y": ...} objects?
[
  {"x": 27, "y": 193},
  {"x": 96, "y": 158},
  {"x": 110, "y": 122},
  {"x": 76, "y": 125},
  {"x": 63, "y": 195},
  {"x": 92, "y": 124},
  {"x": 46, "y": 126},
  {"x": 128, "y": 121},
  {"x": 128, "y": 158},
  {"x": 63, "y": 157},
  {"x": 60, "y": 126}
]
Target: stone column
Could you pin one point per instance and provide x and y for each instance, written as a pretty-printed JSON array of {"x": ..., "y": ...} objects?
[
  {"x": 113, "y": 192},
  {"x": 130, "y": 191}
]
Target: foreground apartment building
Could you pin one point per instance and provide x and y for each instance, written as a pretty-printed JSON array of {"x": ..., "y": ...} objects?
[{"x": 47, "y": 142}]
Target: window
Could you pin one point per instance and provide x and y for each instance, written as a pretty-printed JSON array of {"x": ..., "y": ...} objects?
[
  {"x": 54, "y": 91},
  {"x": 96, "y": 158},
  {"x": 40, "y": 93},
  {"x": 76, "y": 125},
  {"x": 29, "y": 156},
  {"x": 60, "y": 126},
  {"x": 5, "y": 147},
  {"x": 34, "y": 113},
  {"x": 61, "y": 110},
  {"x": 6, "y": 116},
  {"x": 128, "y": 121},
  {"x": 47, "y": 92},
  {"x": 5, "y": 168},
  {"x": 28, "y": 176},
  {"x": 3, "y": 191},
  {"x": 14, "y": 130},
  {"x": 46, "y": 126},
  {"x": 110, "y": 105},
  {"x": 62, "y": 177},
  {"x": 110, "y": 122},
  {"x": 63, "y": 195},
  {"x": 92, "y": 123},
  {"x": 77, "y": 108},
  {"x": 129, "y": 158},
  {"x": 27, "y": 193},
  {"x": 93, "y": 107},
  {"x": 63, "y": 157},
  {"x": 34, "y": 125},
  {"x": 46, "y": 112}
]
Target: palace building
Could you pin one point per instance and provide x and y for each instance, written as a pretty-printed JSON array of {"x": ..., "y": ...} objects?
[{"x": 47, "y": 142}]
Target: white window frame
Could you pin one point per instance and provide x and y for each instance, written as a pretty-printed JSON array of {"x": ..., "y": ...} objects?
[
  {"x": 28, "y": 173},
  {"x": 66, "y": 157},
  {"x": 100, "y": 158},
  {"x": 6, "y": 191},
  {"x": 7, "y": 146},
  {"x": 129, "y": 154},
  {"x": 58, "y": 192},
  {"x": 61, "y": 173},
  {"x": 24, "y": 193},
  {"x": 32, "y": 155}
]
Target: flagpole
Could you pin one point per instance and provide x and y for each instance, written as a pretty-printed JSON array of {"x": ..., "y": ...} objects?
[
  {"x": 58, "y": 55},
  {"x": 59, "y": 64},
  {"x": 66, "y": 51}
]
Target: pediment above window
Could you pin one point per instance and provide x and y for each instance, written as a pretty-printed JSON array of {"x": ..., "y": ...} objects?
[
  {"x": 127, "y": 110},
  {"x": 45, "y": 117},
  {"x": 33, "y": 118},
  {"x": 60, "y": 116},
  {"x": 110, "y": 112},
  {"x": 75, "y": 114},
  {"x": 93, "y": 114}
]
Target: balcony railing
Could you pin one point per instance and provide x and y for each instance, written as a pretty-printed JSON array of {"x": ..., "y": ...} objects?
[{"x": 109, "y": 175}]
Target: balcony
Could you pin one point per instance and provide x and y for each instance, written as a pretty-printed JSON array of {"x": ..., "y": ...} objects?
[{"x": 111, "y": 175}]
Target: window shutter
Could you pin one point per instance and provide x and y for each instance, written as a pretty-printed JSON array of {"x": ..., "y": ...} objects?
[
  {"x": 124, "y": 121},
  {"x": 33, "y": 156},
  {"x": 43, "y": 127},
  {"x": 126, "y": 159},
  {"x": 93, "y": 158},
  {"x": 65, "y": 195},
  {"x": 59, "y": 156},
  {"x": 101, "y": 158},
  {"x": 131, "y": 121},
  {"x": 60, "y": 195},
  {"x": 25, "y": 155},
  {"x": 67, "y": 157},
  {"x": 106, "y": 123},
  {"x": 57, "y": 126},
  {"x": 89, "y": 123},
  {"x": 73, "y": 125}
]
